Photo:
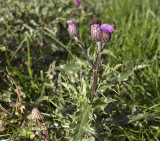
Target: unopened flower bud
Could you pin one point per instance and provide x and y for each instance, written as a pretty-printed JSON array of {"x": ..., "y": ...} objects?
[
  {"x": 95, "y": 29},
  {"x": 107, "y": 30},
  {"x": 85, "y": 8},
  {"x": 72, "y": 29},
  {"x": 77, "y": 3},
  {"x": 106, "y": 37}
]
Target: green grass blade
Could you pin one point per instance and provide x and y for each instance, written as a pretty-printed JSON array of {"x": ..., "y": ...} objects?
[
  {"x": 29, "y": 59},
  {"x": 18, "y": 48},
  {"x": 49, "y": 34}
]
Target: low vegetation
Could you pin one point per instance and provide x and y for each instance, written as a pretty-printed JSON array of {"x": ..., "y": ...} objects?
[{"x": 46, "y": 81}]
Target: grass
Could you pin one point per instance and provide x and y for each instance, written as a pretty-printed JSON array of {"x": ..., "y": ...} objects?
[{"x": 42, "y": 67}]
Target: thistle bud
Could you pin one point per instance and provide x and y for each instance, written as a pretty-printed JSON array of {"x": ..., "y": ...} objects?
[
  {"x": 72, "y": 29},
  {"x": 106, "y": 37},
  {"x": 77, "y": 3},
  {"x": 95, "y": 29},
  {"x": 107, "y": 30},
  {"x": 85, "y": 8}
]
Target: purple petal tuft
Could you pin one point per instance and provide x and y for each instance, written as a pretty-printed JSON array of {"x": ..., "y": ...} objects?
[
  {"x": 107, "y": 28},
  {"x": 70, "y": 22},
  {"x": 78, "y": 1}
]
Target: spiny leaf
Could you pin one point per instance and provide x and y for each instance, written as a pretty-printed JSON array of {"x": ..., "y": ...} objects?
[
  {"x": 80, "y": 128},
  {"x": 102, "y": 89},
  {"x": 107, "y": 51},
  {"x": 140, "y": 67},
  {"x": 125, "y": 75},
  {"x": 116, "y": 67},
  {"x": 69, "y": 87},
  {"x": 102, "y": 103},
  {"x": 69, "y": 68},
  {"x": 84, "y": 85},
  {"x": 138, "y": 117}
]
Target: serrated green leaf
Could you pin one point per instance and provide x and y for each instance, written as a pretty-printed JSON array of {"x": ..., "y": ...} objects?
[
  {"x": 102, "y": 89},
  {"x": 124, "y": 76},
  {"x": 83, "y": 115},
  {"x": 138, "y": 117},
  {"x": 109, "y": 52},
  {"x": 69, "y": 87},
  {"x": 72, "y": 88},
  {"x": 65, "y": 85},
  {"x": 84, "y": 91},
  {"x": 69, "y": 68},
  {"x": 112, "y": 78},
  {"x": 155, "y": 127},
  {"x": 101, "y": 104},
  {"x": 116, "y": 67},
  {"x": 140, "y": 67}
]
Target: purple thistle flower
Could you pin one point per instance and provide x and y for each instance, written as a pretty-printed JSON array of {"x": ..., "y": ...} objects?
[
  {"x": 107, "y": 30},
  {"x": 70, "y": 22},
  {"x": 95, "y": 29},
  {"x": 77, "y": 3},
  {"x": 72, "y": 29}
]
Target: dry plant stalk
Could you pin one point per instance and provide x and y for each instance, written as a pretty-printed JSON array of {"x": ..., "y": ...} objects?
[
  {"x": 38, "y": 119},
  {"x": 17, "y": 91}
]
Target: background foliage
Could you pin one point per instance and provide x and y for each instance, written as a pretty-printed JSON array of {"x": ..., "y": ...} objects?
[{"x": 40, "y": 61}]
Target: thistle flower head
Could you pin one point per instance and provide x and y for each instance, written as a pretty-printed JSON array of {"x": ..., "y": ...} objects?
[
  {"x": 95, "y": 21},
  {"x": 106, "y": 37},
  {"x": 70, "y": 22},
  {"x": 107, "y": 30},
  {"x": 77, "y": 3},
  {"x": 72, "y": 29},
  {"x": 35, "y": 115},
  {"x": 95, "y": 29}
]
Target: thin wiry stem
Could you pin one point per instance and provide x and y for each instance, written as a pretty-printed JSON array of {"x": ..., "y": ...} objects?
[{"x": 85, "y": 54}]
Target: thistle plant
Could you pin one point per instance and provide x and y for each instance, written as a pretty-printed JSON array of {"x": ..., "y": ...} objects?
[
  {"x": 101, "y": 34},
  {"x": 91, "y": 111}
]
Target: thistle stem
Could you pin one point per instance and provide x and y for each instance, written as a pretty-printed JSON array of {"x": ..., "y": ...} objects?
[
  {"x": 94, "y": 85},
  {"x": 99, "y": 46},
  {"x": 95, "y": 68},
  {"x": 95, "y": 73},
  {"x": 95, "y": 77},
  {"x": 85, "y": 54}
]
